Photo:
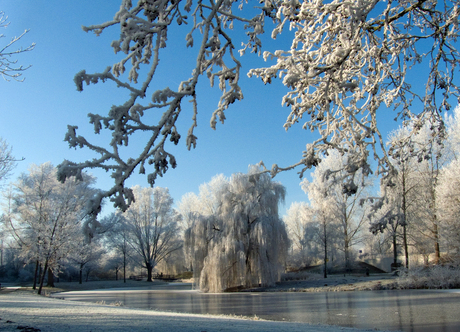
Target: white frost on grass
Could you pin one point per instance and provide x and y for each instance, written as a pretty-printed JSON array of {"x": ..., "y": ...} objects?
[
  {"x": 48, "y": 314},
  {"x": 435, "y": 277}
]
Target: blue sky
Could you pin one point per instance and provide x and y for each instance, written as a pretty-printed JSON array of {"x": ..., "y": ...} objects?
[{"x": 36, "y": 112}]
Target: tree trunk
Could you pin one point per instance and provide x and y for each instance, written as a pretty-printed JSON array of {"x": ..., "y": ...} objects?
[
  {"x": 437, "y": 251},
  {"x": 404, "y": 208},
  {"x": 80, "y": 280},
  {"x": 42, "y": 277},
  {"x": 347, "y": 256},
  {"x": 346, "y": 240},
  {"x": 395, "y": 249},
  {"x": 149, "y": 272},
  {"x": 406, "y": 250},
  {"x": 50, "y": 278},
  {"x": 325, "y": 251},
  {"x": 124, "y": 267},
  {"x": 37, "y": 267},
  {"x": 87, "y": 274}
]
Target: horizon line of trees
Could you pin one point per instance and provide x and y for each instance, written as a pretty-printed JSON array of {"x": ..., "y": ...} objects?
[{"x": 231, "y": 235}]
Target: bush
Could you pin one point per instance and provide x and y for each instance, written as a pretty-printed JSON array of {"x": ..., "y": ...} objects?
[{"x": 435, "y": 277}]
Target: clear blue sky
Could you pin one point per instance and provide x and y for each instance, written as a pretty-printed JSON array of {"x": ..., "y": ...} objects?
[{"x": 36, "y": 112}]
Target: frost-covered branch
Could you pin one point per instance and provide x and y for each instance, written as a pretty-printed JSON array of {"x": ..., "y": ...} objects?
[
  {"x": 144, "y": 33},
  {"x": 8, "y": 64},
  {"x": 349, "y": 60}
]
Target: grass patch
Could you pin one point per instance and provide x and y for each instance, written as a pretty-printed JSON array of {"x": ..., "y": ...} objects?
[
  {"x": 434, "y": 277},
  {"x": 185, "y": 275}
]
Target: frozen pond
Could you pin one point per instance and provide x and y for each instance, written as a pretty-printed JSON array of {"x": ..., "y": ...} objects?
[{"x": 408, "y": 310}]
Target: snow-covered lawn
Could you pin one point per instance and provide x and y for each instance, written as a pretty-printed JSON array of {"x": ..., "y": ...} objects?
[{"x": 20, "y": 310}]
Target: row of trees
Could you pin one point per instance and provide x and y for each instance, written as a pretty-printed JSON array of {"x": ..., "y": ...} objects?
[
  {"x": 418, "y": 213},
  {"x": 231, "y": 234},
  {"x": 45, "y": 218}
]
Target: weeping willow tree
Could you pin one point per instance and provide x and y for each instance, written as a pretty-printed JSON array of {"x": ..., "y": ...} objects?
[{"x": 244, "y": 243}]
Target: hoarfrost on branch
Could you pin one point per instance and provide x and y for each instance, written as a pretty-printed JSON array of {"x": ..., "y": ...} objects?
[
  {"x": 351, "y": 59},
  {"x": 144, "y": 32}
]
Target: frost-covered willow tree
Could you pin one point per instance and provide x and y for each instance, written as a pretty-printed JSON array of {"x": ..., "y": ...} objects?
[
  {"x": 348, "y": 61},
  {"x": 244, "y": 243},
  {"x": 152, "y": 224}
]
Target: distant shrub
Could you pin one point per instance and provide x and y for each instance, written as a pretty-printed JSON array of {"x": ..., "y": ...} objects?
[{"x": 435, "y": 277}]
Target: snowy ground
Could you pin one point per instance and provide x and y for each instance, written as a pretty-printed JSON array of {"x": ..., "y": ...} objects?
[{"x": 25, "y": 311}]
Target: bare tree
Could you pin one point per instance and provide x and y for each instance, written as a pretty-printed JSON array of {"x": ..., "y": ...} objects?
[
  {"x": 84, "y": 255},
  {"x": 46, "y": 215},
  {"x": 153, "y": 226},
  {"x": 331, "y": 182},
  {"x": 9, "y": 69},
  {"x": 448, "y": 193},
  {"x": 401, "y": 199},
  {"x": 298, "y": 217},
  {"x": 118, "y": 238},
  {"x": 428, "y": 173}
]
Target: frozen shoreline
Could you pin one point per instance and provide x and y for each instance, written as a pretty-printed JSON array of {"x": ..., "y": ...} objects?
[{"x": 24, "y": 309}]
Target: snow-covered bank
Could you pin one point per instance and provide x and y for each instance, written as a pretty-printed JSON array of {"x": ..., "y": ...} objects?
[{"x": 24, "y": 309}]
